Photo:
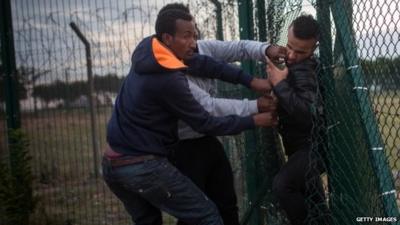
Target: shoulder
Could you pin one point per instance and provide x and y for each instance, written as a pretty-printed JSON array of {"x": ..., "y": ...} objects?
[
  {"x": 304, "y": 72},
  {"x": 173, "y": 79}
]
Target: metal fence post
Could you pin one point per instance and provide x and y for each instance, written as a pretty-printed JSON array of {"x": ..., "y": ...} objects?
[
  {"x": 9, "y": 66},
  {"x": 375, "y": 144},
  {"x": 246, "y": 31},
  {"x": 261, "y": 20},
  {"x": 91, "y": 96},
  {"x": 218, "y": 11}
]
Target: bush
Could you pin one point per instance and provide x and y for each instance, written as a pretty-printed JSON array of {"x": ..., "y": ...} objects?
[{"x": 16, "y": 196}]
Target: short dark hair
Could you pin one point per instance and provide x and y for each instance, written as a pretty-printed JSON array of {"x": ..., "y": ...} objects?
[
  {"x": 177, "y": 6},
  {"x": 184, "y": 8},
  {"x": 166, "y": 21},
  {"x": 305, "y": 27}
]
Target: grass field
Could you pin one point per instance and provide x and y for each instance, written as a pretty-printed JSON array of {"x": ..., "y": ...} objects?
[
  {"x": 387, "y": 109},
  {"x": 63, "y": 167},
  {"x": 64, "y": 172}
]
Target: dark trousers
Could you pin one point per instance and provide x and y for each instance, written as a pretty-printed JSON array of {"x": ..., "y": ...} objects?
[
  {"x": 204, "y": 161},
  {"x": 299, "y": 188},
  {"x": 153, "y": 186}
]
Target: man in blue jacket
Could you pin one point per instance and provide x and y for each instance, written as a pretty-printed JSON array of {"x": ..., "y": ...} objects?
[{"x": 143, "y": 126}]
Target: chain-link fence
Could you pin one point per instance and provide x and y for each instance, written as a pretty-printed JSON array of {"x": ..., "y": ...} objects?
[
  {"x": 3, "y": 129},
  {"x": 358, "y": 73},
  {"x": 357, "y": 137},
  {"x": 64, "y": 122}
]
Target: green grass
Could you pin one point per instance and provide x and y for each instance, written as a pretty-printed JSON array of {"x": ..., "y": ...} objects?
[
  {"x": 63, "y": 169},
  {"x": 387, "y": 109}
]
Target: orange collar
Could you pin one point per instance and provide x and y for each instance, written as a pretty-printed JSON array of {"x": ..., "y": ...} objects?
[{"x": 165, "y": 57}]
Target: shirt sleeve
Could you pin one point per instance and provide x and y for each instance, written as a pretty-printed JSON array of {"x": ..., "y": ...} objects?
[
  {"x": 223, "y": 106},
  {"x": 233, "y": 51},
  {"x": 178, "y": 99},
  {"x": 228, "y": 51},
  {"x": 206, "y": 66}
]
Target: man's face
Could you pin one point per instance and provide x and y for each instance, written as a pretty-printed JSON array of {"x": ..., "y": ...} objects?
[
  {"x": 297, "y": 49},
  {"x": 183, "y": 43}
]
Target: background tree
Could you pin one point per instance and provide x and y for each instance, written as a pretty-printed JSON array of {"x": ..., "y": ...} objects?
[
  {"x": 108, "y": 83},
  {"x": 22, "y": 91},
  {"x": 382, "y": 72},
  {"x": 69, "y": 92}
]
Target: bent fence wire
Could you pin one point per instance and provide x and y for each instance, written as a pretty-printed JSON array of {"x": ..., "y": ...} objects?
[{"x": 357, "y": 132}]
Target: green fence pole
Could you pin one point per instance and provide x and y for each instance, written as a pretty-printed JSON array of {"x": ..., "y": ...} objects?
[
  {"x": 8, "y": 62},
  {"x": 261, "y": 20},
  {"x": 273, "y": 156},
  {"x": 376, "y": 146},
  {"x": 327, "y": 83},
  {"x": 218, "y": 11},
  {"x": 246, "y": 31}
]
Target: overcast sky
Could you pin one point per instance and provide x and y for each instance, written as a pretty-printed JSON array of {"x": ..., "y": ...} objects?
[{"x": 43, "y": 38}]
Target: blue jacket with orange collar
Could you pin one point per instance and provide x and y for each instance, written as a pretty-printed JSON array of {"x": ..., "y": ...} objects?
[{"x": 155, "y": 95}]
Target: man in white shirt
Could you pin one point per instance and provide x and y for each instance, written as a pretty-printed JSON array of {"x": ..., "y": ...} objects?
[{"x": 202, "y": 158}]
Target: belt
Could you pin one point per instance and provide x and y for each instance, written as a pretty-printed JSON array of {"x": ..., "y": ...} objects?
[{"x": 116, "y": 162}]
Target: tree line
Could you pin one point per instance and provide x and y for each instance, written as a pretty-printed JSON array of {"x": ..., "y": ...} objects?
[
  {"x": 381, "y": 71},
  {"x": 58, "y": 90},
  {"x": 68, "y": 92}
]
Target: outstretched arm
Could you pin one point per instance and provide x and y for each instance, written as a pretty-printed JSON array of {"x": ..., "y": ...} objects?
[
  {"x": 178, "y": 99},
  {"x": 233, "y": 51},
  {"x": 205, "y": 66},
  {"x": 223, "y": 106}
]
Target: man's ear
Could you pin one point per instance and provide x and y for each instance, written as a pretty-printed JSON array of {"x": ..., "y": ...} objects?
[{"x": 166, "y": 39}]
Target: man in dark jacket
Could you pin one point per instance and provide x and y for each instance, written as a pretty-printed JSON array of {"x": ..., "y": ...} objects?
[
  {"x": 143, "y": 126},
  {"x": 295, "y": 87}
]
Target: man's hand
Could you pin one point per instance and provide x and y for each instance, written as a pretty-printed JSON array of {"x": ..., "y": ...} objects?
[
  {"x": 266, "y": 119},
  {"x": 266, "y": 103},
  {"x": 275, "y": 75},
  {"x": 276, "y": 53},
  {"x": 260, "y": 85}
]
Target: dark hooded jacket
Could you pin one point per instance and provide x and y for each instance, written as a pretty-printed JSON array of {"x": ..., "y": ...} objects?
[
  {"x": 297, "y": 103},
  {"x": 155, "y": 94}
]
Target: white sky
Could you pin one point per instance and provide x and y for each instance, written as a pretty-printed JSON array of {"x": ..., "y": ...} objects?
[{"x": 43, "y": 38}]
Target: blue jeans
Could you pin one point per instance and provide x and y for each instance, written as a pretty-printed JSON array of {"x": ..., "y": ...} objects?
[{"x": 148, "y": 187}]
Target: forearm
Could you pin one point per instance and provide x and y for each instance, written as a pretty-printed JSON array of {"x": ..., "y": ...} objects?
[
  {"x": 232, "y": 51},
  {"x": 223, "y": 106},
  {"x": 178, "y": 100}
]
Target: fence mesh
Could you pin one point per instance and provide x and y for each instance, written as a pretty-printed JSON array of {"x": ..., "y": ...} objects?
[
  {"x": 360, "y": 110},
  {"x": 56, "y": 112},
  {"x": 3, "y": 129},
  {"x": 357, "y": 137}
]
